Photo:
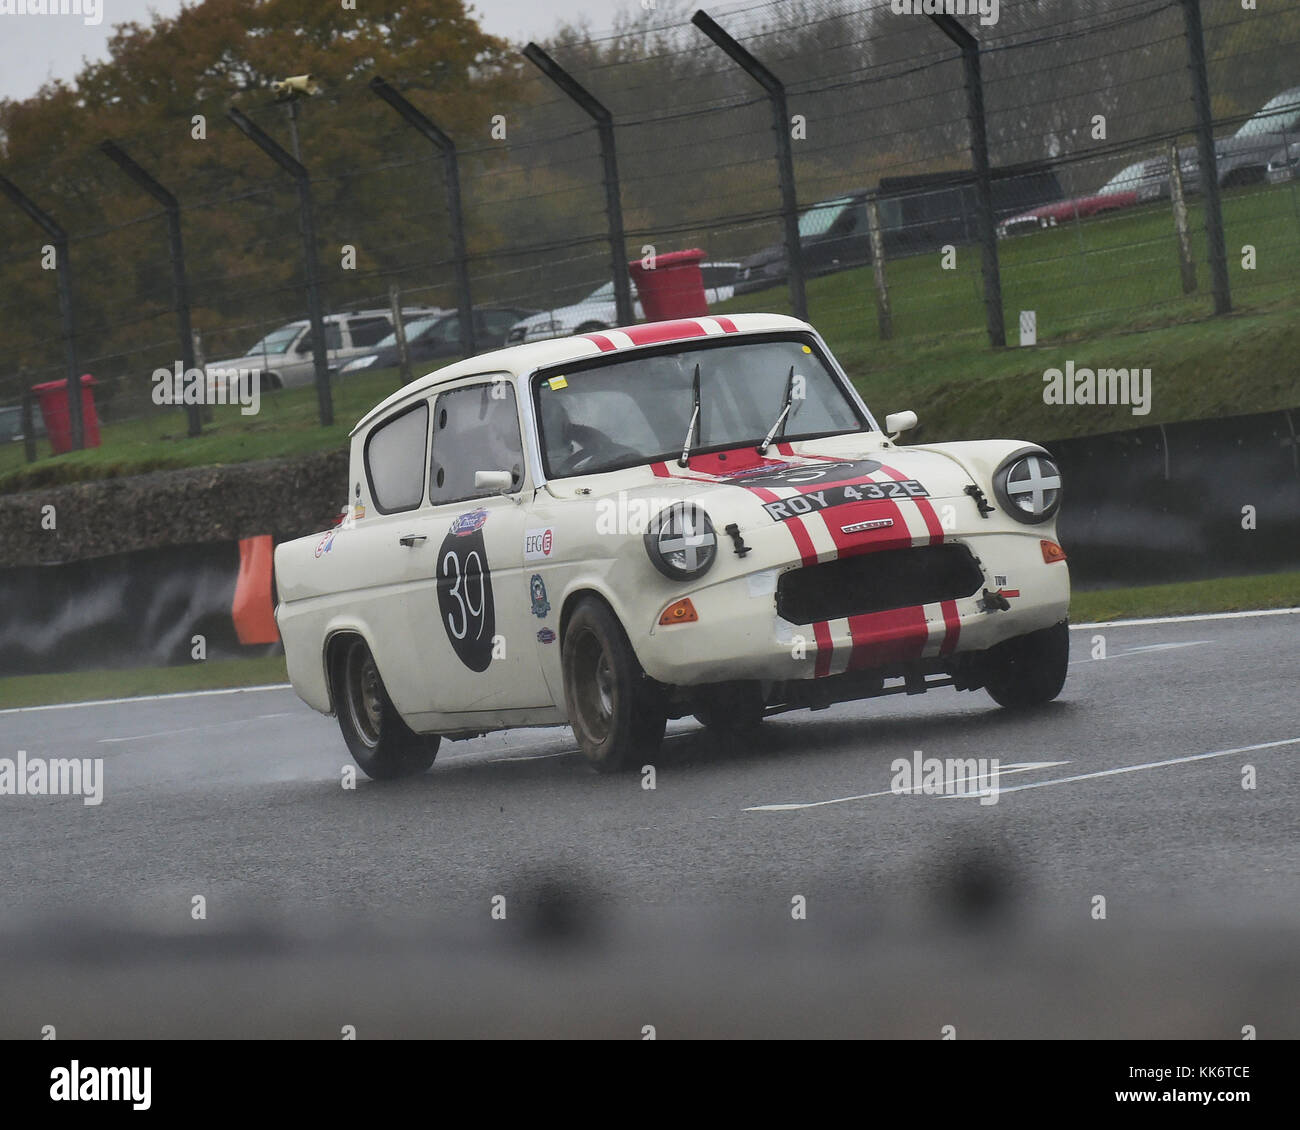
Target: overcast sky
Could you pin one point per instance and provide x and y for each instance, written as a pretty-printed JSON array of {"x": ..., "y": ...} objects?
[{"x": 35, "y": 48}]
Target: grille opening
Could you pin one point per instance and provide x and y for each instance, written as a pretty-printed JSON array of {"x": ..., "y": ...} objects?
[{"x": 877, "y": 582}]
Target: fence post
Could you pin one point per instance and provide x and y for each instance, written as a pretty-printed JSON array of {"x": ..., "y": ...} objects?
[
  {"x": 28, "y": 419},
  {"x": 63, "y": 267},
  {"x": 176, "y": 253},
  {"x": 613, "y": 197},
  {"x": 979, "y": 145},
  {"x": 784, "y": 153},
  {"x": 399, "y": 333},
  {"x": 451, "y": 173},
  {"x": 295, "y": 168},
  {"x": 884, "y": 316},
  {"x": 1209, "y": 167},
  {"x": 1185, "y": 261}
]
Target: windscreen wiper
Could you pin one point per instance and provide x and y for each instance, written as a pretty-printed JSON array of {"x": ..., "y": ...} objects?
[
  {"x": 685, "y": 458},
  {"x": 779, "y": 426}
]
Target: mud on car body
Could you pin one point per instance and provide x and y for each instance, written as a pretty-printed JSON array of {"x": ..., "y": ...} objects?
[{"x": 682, "y": 518}]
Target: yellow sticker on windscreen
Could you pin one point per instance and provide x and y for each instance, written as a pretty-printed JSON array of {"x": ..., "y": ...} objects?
[
  {"x": 557, "y": 383},
  {"x": 807, "y": 348}
]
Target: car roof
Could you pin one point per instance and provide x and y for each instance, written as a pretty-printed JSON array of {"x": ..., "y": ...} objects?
[{"x": 519, "y": 360}]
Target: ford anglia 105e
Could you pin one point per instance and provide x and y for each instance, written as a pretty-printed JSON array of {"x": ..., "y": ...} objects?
[{"x": 698, "y": 517}]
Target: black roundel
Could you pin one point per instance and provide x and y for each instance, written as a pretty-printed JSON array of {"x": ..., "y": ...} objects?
[{"x": 465, "y": 598}]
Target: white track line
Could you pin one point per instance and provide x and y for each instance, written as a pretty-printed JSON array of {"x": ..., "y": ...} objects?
[
  {"x": 146, "y": 698},
  {"x": 1145, "y": 649},
  {"x": 1148, "y": 765},
  {"x": 192, "y": 729},
  {"x": 1186, "y": 619},
  {"x": 1018, "y": 767}
]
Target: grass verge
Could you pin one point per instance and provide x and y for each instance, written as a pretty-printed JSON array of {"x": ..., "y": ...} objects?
[
  {"x": 1230, "y": 594},
  {"x": 89, "y": 686},
  {"x": 1234, "y": 594}
]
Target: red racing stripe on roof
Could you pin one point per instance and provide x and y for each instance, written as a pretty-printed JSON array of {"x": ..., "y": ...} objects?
[
  {"x": 655, "y": 332},
  {"x": 600, "y": 341}
]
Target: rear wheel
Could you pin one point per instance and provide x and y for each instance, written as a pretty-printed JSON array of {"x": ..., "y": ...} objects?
[
  {"x": 617, "y": 713},
  {"x": 380, "y": 742},
  {"x": 1030, "y": 669}
]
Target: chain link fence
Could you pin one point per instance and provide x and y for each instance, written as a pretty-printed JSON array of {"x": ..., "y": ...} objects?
[{"x": 1082, "y": 103}]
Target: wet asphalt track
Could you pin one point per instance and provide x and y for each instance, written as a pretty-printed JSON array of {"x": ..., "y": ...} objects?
[{"x": 626, "y": 906}]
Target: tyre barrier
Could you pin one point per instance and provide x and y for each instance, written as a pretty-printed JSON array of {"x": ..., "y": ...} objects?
[
  {"x": 142, "y": 609},
  {"x": 1182, "y": 502}
]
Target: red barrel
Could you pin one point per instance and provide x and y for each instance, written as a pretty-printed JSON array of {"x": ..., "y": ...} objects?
[
  {"x": 674, "y": 288},
  {"x": 53, "y": 396}
]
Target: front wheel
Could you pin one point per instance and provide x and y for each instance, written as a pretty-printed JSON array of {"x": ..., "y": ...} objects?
[
  {"x": 381, "y": 743},
  {"x": 1029, "y": 670},
  {"x": 617, "y": 713}
]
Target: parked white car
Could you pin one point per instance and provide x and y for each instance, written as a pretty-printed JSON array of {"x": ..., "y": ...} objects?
[
  {"x": 598, "y": 310},
  {"x": 283, "y": 357},
  {"x": 693, "y": 517}
]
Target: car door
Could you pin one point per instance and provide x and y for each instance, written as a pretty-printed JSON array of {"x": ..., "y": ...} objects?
[{"x": 477, "y": 632}]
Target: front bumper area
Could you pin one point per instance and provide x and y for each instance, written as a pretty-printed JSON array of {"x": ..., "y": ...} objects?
[{"x": 741, "y": 634}]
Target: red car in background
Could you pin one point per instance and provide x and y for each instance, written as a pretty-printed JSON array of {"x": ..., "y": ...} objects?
[{"x": 1121, "y": 191}]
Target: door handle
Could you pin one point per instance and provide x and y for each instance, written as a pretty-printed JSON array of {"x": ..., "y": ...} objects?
[{"x": 412, "y": 539}]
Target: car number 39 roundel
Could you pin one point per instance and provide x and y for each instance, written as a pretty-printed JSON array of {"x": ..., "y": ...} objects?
[{"x": 465, "y": 597}]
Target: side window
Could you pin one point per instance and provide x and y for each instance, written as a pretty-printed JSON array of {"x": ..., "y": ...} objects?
[
  {"x": 395, "y": 454},
  {"x": 499, "y": 321},
  {"x": 333, "y": 338},
  {"x": 368, "y": 331},
  {"x": 474, "y": 429}
]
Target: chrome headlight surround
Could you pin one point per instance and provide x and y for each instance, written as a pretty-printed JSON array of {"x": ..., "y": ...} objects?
[
  {"x": 1028, "y": 485},
  {"x": 681, "y": 542}
]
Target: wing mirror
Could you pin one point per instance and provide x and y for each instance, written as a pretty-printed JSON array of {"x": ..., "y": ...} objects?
[
  {"x": 496, "y": 481},
  {"x": 896, "y": 423}
]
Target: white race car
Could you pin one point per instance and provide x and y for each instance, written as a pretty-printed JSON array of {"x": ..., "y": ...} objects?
[{"x": 697, "y": 517}]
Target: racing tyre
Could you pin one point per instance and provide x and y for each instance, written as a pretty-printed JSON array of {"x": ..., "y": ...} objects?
[
  {"x": 1029, "y": 670},
  {"x": 380, "y": 742},
  {"x": 617, "y": 713}
]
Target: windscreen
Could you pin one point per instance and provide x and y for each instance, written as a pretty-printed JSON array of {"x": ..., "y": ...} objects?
[{"x": 638, "y": 410}]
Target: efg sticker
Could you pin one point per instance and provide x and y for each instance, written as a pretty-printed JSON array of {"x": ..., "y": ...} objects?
[
  {"x": 467, "y": 524},
  {"x": 538, "y": 544},
  {"x": 465, "y": 602},
  {"x": 537, "y": 591},
  {"x": 546, "y": 636},
  {"x": 557, "y": 383},
  {"x": 326, "y": 543},
  {"x": 358, "y": 512}
]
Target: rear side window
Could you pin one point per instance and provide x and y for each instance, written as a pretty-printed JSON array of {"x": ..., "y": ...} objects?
[
  {"x": 368, "y": 331},
  {"x": 474, "y": 429},
  {"x": 395, "y": 459}
]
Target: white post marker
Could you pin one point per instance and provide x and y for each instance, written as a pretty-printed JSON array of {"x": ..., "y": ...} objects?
[{"x": 1028, "y": 327}]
